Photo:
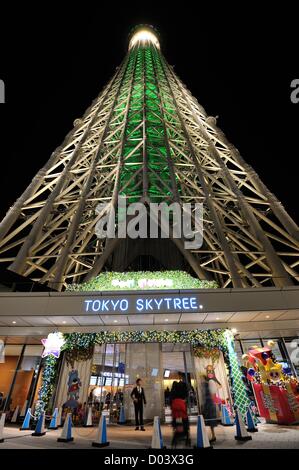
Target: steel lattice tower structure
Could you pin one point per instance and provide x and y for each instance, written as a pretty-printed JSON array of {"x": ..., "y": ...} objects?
[{"x": 147, "y": 137}]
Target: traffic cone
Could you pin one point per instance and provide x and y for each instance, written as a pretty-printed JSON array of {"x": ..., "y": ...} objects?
[
  {"x": 122, "y": 418},
  {"x": 225, "y": 417},
  {"x": 202, "y": 440},
  {"x": 59, "y": 416},
  {"x": 241, "y": 432},
  {"x": 101, "y": 436},
  {"x": 40, "y": 426},
  {"x": 26, "y": 423},
  {"x": 53, "y": 422},
  {"x": 66, "y": 433},
  {"x": 88, "y": 422},
  {"x": 2, "y": 423},
  {"x": 15, "y": 415},
  {"x": 250, "y": 422},
  {"x": 157, "y": 438},
  {"x": 24, "y": 409}
]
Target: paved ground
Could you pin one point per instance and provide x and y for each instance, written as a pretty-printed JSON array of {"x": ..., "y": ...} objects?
[{"x": 125, "y": 437}]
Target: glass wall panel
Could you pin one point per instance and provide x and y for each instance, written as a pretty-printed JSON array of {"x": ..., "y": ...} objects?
[
  {"x": 144, "y": 360},
  {"x": 292, "y": 347},
  {"x": 249, "y": 343},
  {"x": 8, "y": 367},
  {"x": 278, "y": 351},
  {"x": 108, "y": 379},
  {"x": 238, "y": 350},
  {"x": 26, "y": 375},
  {"x": 178, "y": 365}
]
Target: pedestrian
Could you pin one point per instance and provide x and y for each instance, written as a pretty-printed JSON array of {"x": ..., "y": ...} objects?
[
  {"x": 182, "y": 388},
  {"x": 166, "y": 396},
  {"x": 139, "y": 400},
  {"x": 209, "y": 407},
  {"x": 180, "y": 421}
]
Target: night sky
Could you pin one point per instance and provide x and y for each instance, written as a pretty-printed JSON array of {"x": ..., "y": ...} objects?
[{"x": 238, "y": 64}]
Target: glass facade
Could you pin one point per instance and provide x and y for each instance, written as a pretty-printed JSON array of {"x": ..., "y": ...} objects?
[
  {"x": 286, "y": 350},
  {"x": 292, "y": 348},
  {"x": 115, "y": 368},
  {"x": 19, "y": 375}
]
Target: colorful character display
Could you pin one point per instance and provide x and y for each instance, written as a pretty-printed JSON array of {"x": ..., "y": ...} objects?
[
  {"x": 276, "y": 390},
  {"x": 74, "y": 384},
  {"x": 210, "y": 372}
]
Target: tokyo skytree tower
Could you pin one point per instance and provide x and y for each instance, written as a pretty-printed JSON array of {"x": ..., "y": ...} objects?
[{"x": 147, "y": 138}]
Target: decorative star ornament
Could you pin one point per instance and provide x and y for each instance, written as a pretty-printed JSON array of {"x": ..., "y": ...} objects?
[{"x": 53, "y": 344}]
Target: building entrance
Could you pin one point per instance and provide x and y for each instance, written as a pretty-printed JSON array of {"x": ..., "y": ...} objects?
[
  {"x": 114, "y": 371},
  {"x": 178, "y": 365},
  {"x": 108, "y": 380},
  {"x": 116, "y": 367}
]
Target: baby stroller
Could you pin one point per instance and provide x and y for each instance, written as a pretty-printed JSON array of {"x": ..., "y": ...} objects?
[{"x": 180, "y": 423}]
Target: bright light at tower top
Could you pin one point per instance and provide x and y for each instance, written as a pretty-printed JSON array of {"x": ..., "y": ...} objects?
[{"x": 144, "y": 36}]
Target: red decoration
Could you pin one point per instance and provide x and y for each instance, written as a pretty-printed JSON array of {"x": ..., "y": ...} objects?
[
  {"x": 259, "y": 353},
  {"x": 276, "y": 393},
  {"x": 279, "y": 406}
]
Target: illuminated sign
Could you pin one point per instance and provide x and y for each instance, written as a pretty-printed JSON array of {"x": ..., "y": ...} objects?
[
  {"x": 145, "y": 304},
  {"x": 142, "y": 283}
]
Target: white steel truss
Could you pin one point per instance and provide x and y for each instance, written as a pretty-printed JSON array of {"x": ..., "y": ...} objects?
[{"x": 148, "y": 138}]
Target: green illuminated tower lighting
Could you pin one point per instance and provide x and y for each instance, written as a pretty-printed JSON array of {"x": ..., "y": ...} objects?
[{"x": 147, "y": 138}]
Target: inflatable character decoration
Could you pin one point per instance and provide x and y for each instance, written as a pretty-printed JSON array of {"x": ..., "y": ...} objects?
[{"x": 276, "y": 390}]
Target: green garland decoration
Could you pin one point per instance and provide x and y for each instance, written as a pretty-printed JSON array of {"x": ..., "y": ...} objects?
[
  {"x": 239, "y": 395},
  {"x": 79, "y": 346},
  {"x": 47, "y": 388},
  {"x": 207, "y": 338},
  {"x": 207, "y": 353},
  {"x": 78, "y": 354},
  {"x": 180, "y": 280}
]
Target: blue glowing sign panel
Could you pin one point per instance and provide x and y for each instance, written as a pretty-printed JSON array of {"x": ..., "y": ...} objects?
[{"x": 143, "y": 304}]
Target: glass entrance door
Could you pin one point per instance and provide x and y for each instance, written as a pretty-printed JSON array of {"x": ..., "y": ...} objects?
[
  {"x": 178, "y": 366},
  {"x": 108, "y": 380},
  {"x": 117, "y": 366}
]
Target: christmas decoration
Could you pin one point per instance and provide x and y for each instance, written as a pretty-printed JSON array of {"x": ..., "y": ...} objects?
[
  {"x": 276, "y": 390},
  {"x": 206, "y": 338},
  {"x": 79, "y": 354},
  {"x": 79, "y": 346},
  {"x": 142, "y": 280},
  {"x": 239, "y": 394},
  {"x": 73, "y": 389},
  {"x": 207, "y": 353},
  {"x": 47, "y": 387},
  {"x": 53, "y": 344}
]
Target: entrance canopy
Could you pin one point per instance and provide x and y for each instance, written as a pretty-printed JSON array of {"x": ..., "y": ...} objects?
[{"x": 270, "y": 310}]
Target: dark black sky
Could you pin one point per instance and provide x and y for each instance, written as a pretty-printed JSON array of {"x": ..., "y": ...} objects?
[{"x": 239, "y": 64}]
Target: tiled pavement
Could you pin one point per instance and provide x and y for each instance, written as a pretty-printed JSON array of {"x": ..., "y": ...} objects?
[{"x": 270, "y": 436}]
